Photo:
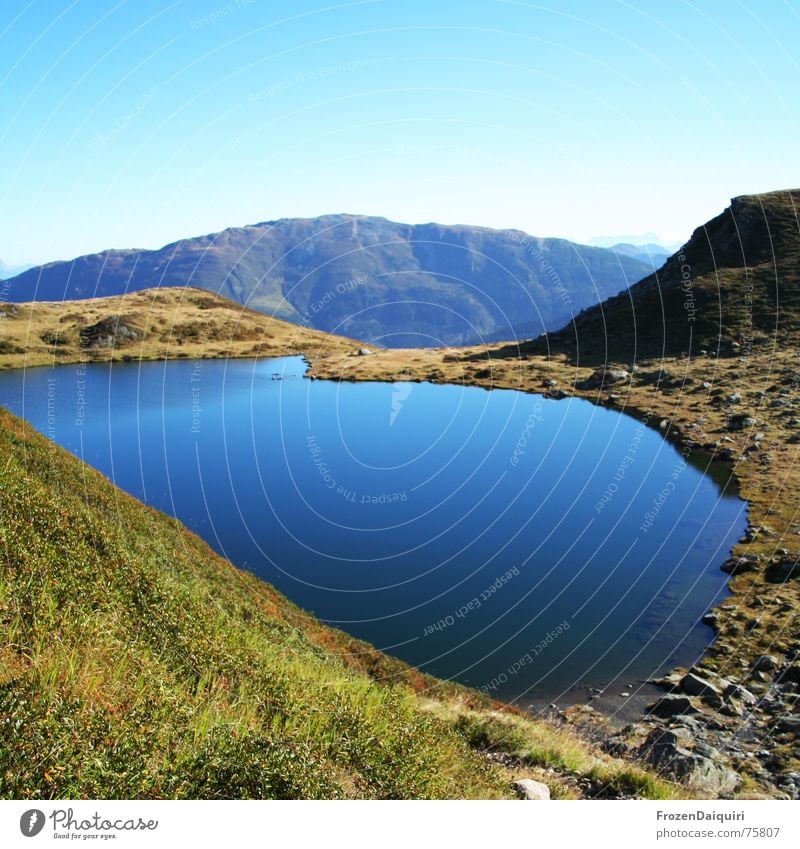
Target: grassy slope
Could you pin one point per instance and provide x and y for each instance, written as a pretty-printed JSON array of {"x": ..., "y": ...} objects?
[
  {"x": 167, "y": 323},
  {"x": 135, "y": 662}
]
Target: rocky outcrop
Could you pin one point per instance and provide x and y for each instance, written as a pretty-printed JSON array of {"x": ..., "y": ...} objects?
[
  {"x": 676, "y": 754},
  {"x": 604, "y": 377},
  {"x": 110, "y": 332}
]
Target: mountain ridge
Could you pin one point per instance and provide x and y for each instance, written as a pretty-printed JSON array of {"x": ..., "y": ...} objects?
[
  {"x": 733, "y": 286},
  {"x": 385, "y": 282}
]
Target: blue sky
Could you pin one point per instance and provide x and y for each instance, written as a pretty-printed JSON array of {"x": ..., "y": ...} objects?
[{"x": 130, "y": 124}]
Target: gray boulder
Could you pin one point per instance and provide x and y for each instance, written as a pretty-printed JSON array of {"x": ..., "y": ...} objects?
[
  {"x": 672, "y": 705},
  {"x": 701, "y": 768},
  {"x": 532, "y": 790},
  {"x": 736, "y": 691},
  {"x": 765, "y": 663},
  {"x": 694, "y": 685},
  {"x": 737, "y": 565},
  {"x": 604, "y": 377},
  {"x": 741, "y": 421}
]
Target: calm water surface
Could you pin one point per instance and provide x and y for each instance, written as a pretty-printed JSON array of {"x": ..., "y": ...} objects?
[{"x": 523, "y": 545}]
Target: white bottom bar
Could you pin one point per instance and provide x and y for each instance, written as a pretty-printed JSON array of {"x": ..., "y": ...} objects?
[{"x": 353, "y": 825}]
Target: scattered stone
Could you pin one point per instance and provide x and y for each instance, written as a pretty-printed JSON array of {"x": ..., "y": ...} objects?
[
  {"x": 604, "y": 377},
  {"x": 786, "y": 569},
  {"x": 674, "y": 752},
  {"x": 765, "y": 663},
  {"x": 532, "y": 790},
  {"x": 791, "y": 674},
  {"x": 789, "y": 724},
  {"x": 363, "y": 352},
  {"x": 736, "y": 691},
  {"x": 738, "y": 565},
  {"x": 672, "y": 705},
  {"x": 754, "y": 531},
  {"x": 741, "y": 421},
  {"x": 694, "y": 685}
]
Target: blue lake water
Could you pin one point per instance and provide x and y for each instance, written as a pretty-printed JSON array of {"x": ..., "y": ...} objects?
[{"x": 518, "y": 544}]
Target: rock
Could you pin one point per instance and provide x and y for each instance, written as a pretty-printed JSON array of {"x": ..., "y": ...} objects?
[
  {"x": 672, "y": 705},
  {"x": 694, "y": 685},
  {"x": 734, "y": 398},
  {"x": 109, "y": 332},
  {"x": 736, "y": 691},
  {"x": 661, "y": 745},
  {"x": 363, "y": 352},
  {"x": 754, "y": 531},
  {"x": 741, "y": 421},
  {"x": 786, "y": 569},
  {"x": 738, "y": 565},
  {"x": 700, "y": 766},
  {"x": 705, "y": 385},
  {"x": 709, "y": 776},
  {"x": 765, "y": 663},
  {"x": 527, "y": 788},
  {"x": 789, "y": 724},
  {"x": 791, "y": 674},
  {"x": 551, "y": 383},
  {"x": 604, "y": 377}
]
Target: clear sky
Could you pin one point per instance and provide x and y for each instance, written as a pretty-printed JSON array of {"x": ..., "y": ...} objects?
[{"x": 131, "y": 124}]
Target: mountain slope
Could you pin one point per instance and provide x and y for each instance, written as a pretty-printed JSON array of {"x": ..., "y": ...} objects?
[
  {"x": 732, "y": 288},
  {"x": 368, "y": 278}
]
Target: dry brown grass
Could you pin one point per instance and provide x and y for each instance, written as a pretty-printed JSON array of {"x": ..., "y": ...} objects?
[{"x": 169, "y": 323}]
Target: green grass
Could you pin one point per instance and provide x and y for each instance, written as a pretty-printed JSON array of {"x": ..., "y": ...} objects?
[
  {"x": 559, "y": 750},
  {"x": 136, "y": 663}
]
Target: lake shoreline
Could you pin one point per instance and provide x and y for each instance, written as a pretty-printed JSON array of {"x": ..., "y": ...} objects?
[{"x": 688, "y": 407}]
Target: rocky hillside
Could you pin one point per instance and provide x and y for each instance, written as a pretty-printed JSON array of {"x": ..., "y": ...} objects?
[
  {"x": 390, "y": 284},
  {"x": 733, "y": 288}
]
